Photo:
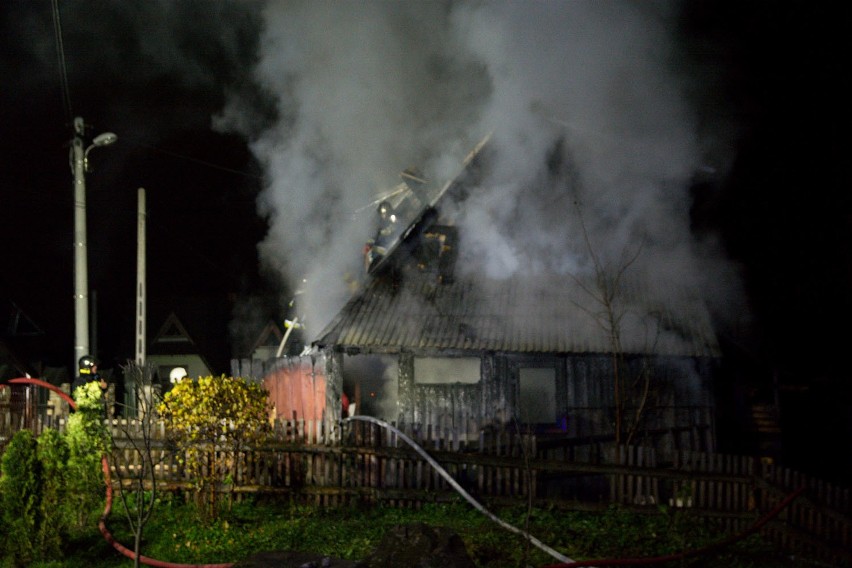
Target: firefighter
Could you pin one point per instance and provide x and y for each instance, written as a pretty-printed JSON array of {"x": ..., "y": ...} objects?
[
  {"x": 376, "y": 248},
  {"x": 87, "y": 373},
  {"x": 387, "y": 224}
]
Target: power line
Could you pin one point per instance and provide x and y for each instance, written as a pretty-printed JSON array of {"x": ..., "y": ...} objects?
[
  {"x": 191, "y": 159},
  {"x": 60, "y": 53}
]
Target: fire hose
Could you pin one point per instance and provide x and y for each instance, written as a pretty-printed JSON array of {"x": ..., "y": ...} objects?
[
  {"x": 468, "y": 497},
  {"x": 108, "y": 506},
  {"x": 564, "y": 561}
]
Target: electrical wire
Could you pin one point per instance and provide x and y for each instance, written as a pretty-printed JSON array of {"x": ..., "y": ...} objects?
[
  {"x": 60, "y": 54},
  {"x": 190, "y": 158},
  {"x": 66, "y": 97}
]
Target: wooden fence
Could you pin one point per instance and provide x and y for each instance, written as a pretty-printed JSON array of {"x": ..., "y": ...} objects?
[{"x": 329, "y": 464}]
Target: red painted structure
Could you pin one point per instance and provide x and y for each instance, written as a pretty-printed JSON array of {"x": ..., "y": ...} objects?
[{"x": 297, "y": 389}]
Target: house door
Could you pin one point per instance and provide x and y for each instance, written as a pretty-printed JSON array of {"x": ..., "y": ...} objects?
[{"x": 537, "y": 395}]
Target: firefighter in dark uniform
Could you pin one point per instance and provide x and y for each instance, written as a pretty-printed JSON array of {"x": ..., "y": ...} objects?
[
  {"x": 87, "y": 373},
  {"x": 376, "y": 248}
]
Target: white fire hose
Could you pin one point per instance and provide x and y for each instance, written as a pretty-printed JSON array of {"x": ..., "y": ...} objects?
[{"x": 478, "y": 506}]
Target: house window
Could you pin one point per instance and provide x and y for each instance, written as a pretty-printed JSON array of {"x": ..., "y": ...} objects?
[
  {"x": 537, "y": 395},
  {"x": 371, "y": 382},
  {"x": 446, "y": 370}
]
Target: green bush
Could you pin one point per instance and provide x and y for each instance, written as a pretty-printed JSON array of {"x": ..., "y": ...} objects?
[
  {"x": 53, "y": 514},
  {"x": 88, "y": 441},
  {"x": 20, "y": 477},
  {"x": 50, "y": 484}
]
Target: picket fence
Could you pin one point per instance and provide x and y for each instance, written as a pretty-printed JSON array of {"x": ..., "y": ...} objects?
[{"x": 333, "y": 465}]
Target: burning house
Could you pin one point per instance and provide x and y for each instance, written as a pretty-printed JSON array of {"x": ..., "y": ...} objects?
[
  {"x": 466, "y": 353},
  {"x": 424, "y": 342},
  {"x": 428, "y": 341}
]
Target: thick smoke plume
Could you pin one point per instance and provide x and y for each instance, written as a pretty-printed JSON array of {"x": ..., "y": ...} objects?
[{"x": 593, "y": 146}]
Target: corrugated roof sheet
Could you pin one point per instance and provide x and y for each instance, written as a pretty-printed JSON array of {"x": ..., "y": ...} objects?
[
  {"x": 519, "y": 315},
  {"x": 405, "y": 309}
]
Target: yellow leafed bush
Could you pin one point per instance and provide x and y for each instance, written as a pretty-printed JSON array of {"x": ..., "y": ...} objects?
[{"x": 212, "y": 420}]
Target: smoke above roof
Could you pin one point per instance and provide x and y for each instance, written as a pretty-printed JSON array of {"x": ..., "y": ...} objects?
[{"x": 593, "y": 150}]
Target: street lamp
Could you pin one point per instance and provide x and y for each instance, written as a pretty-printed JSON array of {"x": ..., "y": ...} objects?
[{"x": 79, "y": 163}]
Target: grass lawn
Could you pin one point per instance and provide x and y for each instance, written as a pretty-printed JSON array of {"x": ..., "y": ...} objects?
[{"x": 176, "y": 534}]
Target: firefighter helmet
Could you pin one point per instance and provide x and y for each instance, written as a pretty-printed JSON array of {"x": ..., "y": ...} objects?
[
  {"x": 177, "y": 374},
  {"x": 86, "y": 364},
  {"x": 385, "y": 209}
]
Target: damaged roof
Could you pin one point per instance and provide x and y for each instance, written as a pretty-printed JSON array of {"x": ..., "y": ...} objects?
[
  {"x": 419, "y": 301},
  {"x": 414, "y": 312}
]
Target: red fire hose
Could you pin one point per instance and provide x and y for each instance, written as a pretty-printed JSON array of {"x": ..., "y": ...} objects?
[
  {"x": 576, "y": 564},
  {"x": 108, "y": 506}
]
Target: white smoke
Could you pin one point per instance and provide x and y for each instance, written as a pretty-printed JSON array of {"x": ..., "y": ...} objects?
[{"x": 364, "y": 90}]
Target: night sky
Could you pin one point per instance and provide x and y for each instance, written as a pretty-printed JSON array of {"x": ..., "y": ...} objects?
[
  {"x": 768, "y": 74},
  {"x": 201, "y": 185}
]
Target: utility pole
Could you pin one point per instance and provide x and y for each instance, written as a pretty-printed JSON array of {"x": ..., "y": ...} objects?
[
  {"x": 137, "y": 387},
  {"x": 79, "y": 159},
  {"x": 140, "y": 280}
]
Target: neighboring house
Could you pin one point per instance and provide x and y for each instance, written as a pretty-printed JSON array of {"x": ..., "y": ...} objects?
[
  {"x": 24, "y": 347},
  {"x": 22, "y": 354},
  {"x": 268, "y": 342},
  {"x": 19, "y": 335},
  {"x": 173, "y": 347},
  {"x": 10, "y": 365},
  {"x": 191, "y": 332}
]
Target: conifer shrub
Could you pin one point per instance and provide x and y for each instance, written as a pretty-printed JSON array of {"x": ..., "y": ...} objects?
[
  {"x": 49, "y": 484},
  {"x": 53, "y": 515},
  {"x": 20, "y": 479}
]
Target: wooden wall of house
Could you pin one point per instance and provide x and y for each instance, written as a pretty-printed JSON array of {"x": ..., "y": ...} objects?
[
  {"x": 463, "y": 407},
  {"x": 681, "y": 395},
  {"x": 676, "y": 386}
]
